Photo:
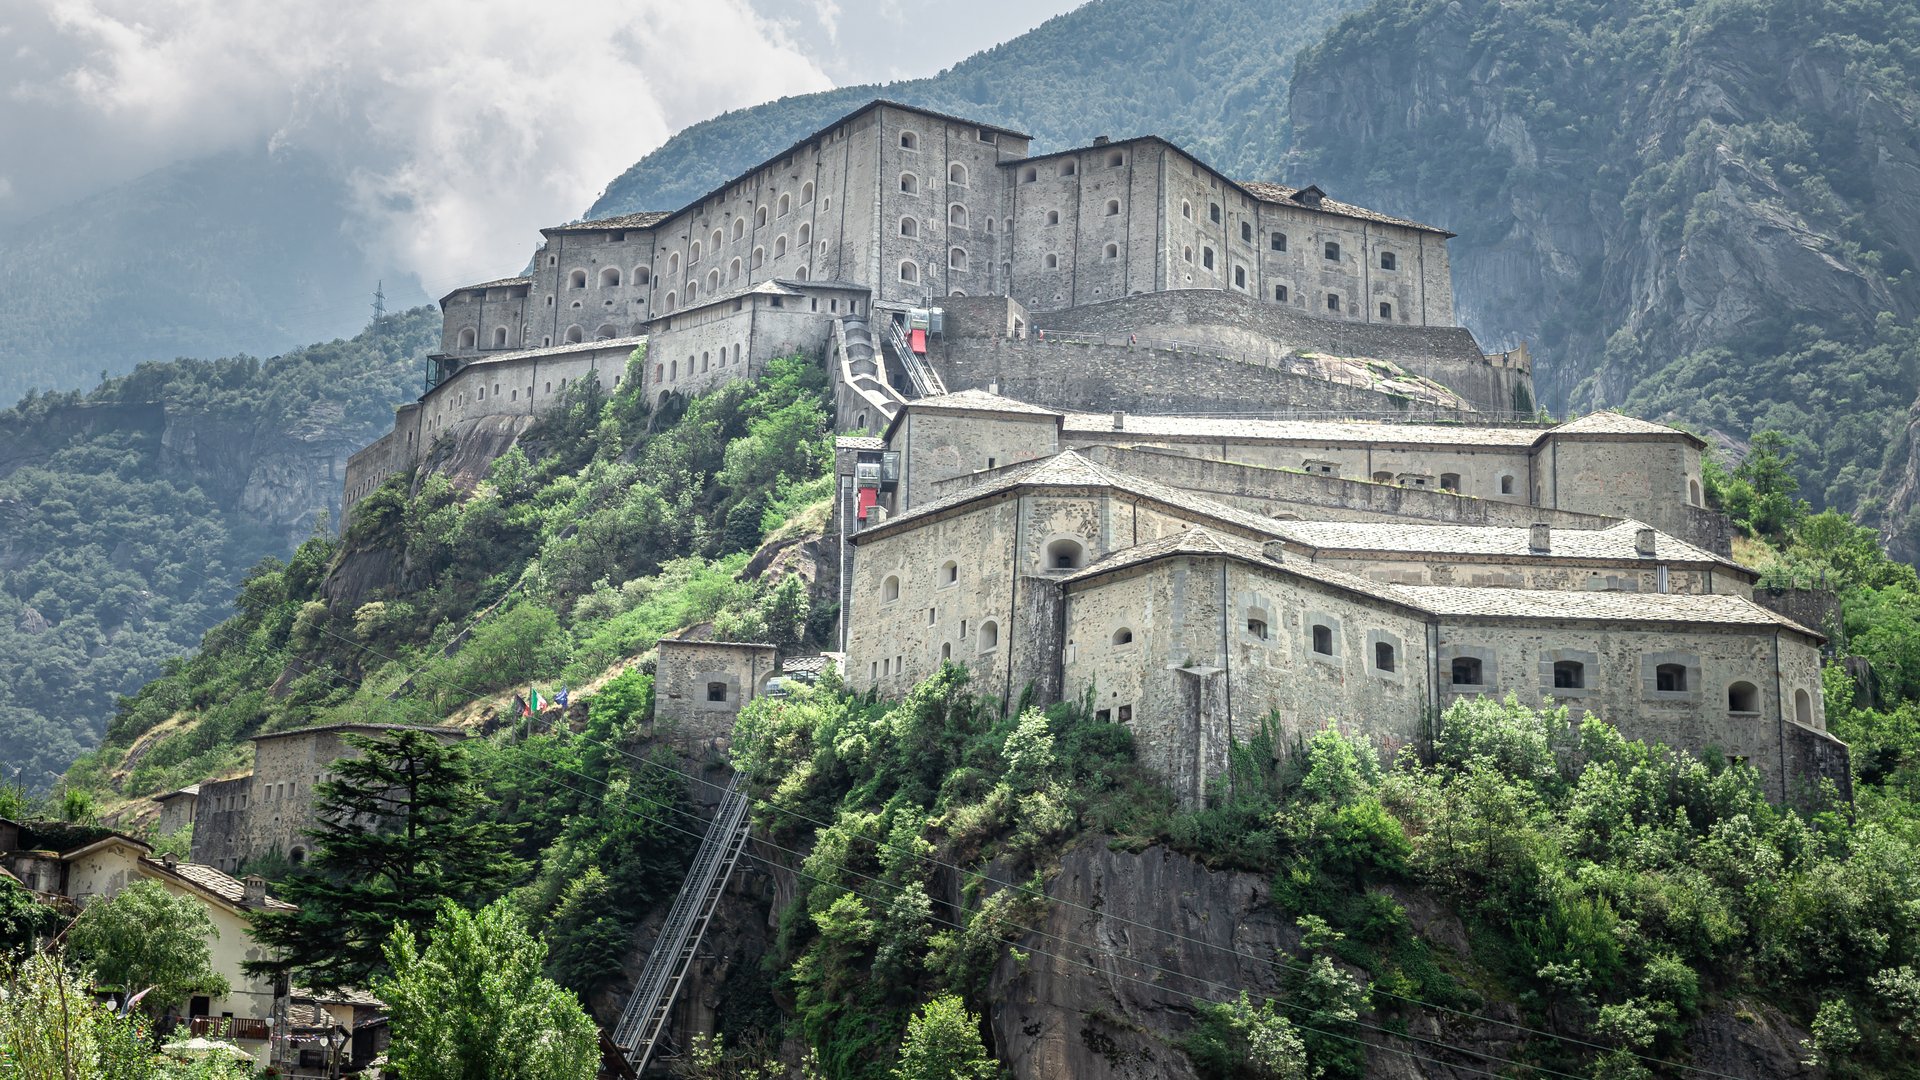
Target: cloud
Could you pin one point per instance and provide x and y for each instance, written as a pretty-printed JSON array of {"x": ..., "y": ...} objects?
[{"x": 461, "y": 125}]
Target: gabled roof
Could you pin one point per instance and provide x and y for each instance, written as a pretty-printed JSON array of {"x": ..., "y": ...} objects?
[
  {"x": 452, "y": 731},
  {"x": 109, "y": 840},
  {"x": 1609, "y": 423},
  {"x": 497, "y": 283},
  {"x": 1068, "y": 469},
  {"x": 1721, "y": 609},
  {"x": 1283, "y": 195},
  {"x": 210, "y": 882},
  {"x": 1614, "y": 543},
  {"x": 1202, "y": 541},
  {"x": 643, "y": 219}
]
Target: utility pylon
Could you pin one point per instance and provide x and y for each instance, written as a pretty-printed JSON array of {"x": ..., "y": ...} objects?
[{"x": 379, "y": 300}]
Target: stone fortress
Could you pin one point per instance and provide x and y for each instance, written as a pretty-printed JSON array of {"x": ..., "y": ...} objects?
[{"x": 1116, "y": 424}]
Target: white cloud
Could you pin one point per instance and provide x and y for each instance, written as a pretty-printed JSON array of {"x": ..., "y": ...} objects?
[{"x": 464, "y": 125}]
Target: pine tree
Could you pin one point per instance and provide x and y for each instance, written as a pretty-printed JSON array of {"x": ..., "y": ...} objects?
[{"x": 398, "y": 835}]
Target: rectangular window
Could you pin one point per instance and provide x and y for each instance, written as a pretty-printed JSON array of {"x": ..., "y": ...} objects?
[
  {"x": 1280, "y": 293},
  {"x": 1279, "y": 241}
]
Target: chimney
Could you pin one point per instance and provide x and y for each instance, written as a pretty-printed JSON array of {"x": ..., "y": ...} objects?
[
  {"x": 1101, "y": 140},
  {"x": 1274, "y": 550},
  {"x": 993, "y": 388},
  {"x": 875, "y": 516},
  {"x": 170, "y": 860},
  {"x": 1119, "y": 420},
  {"x": 255, "y": 887},
  {"x": 1540, "y": 537},
  {"x": 1643, "y": 543}
]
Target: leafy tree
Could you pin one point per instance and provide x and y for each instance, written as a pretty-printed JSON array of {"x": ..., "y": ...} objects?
[
  {"x": 398, "y": 835},
  {"x": 473, "y": 1005},
  {"x": 144, "y": 936},
  {"x": 23, "y": 918},
  {"x": 943, "y": 1043}
]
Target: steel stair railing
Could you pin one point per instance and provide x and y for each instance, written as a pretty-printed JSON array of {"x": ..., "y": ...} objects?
[{"x": 643, "y": 1021}]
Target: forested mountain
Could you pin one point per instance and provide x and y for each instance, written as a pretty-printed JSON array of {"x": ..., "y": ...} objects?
[
  {"x": 1210, "y": 76},
  {"x": 236, "y": 253},
  {"x": 1707, "y": 212},
  {"x": 128, "y": 515}
]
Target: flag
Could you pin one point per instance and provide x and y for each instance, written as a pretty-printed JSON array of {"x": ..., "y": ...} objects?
[
  {"x": 560, "y": 699},
  {"x": 533, "y": 696},
  {"x": 520, "y": 706}
]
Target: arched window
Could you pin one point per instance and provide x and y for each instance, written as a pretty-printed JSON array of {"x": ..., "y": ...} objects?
[
  {"x": 800, "y": 272},
  {"x": 957, "y": 259},
  {"x": 1186, "y": 254},
  {"x": 693, "y": 253},
  {"x": 1123, "y": 636},
  {"x": 1450, "y": 481},
  {"x": 1383, "y": 658},
  {"x": 950, "y": 572},
  {"x": 610, "y": 277},
  {"x": 806, "y": 193},
  {"x": 803, "y": 236},
  {"x": 1693, "y": 492},
  {"x": 1206, "y": 257},
  {"x": 786, "y": 204},
  {"x": 989, "y": 226},
  {"x": 909, "y": 271},
  {"x": 739, "y": 227},
  {"x": 759, "y": 257},
  {"x": 1803, "y": 707},
  {"x": 1239, "y": 277},
  {"x": 1280, "y": 293},
  {"x": 909, "y": 141},
  {"x": 672, "y": 301},
  {"x": 1466, "y": 671},
  {"x": 909, "y": 226},
  {"x": 606, "y": 332},
  {"x": 1506, "y": 485},
  {"x": 499, "y": 337},
  {"x": 1569, "y": 675},
  {"x": 1279, "y": 241},
  {"x": 553, "y": 260},
  {"x": 1670, "y": 678},
  {"x": 779, "y": 246},
  {"x": 890, "y": 589},
  {"x": 1246, "y": 231},
  {"x": 760, "y": 218},
  {"x": 574, "y": 333},
  {"x": 717, "y": 239},
  {"x": 1053, "y": 217},
  {"x": 1332, "y": 251},
  {"x": 673, "y": 265},
  {"x": 1743, "y": 697},
  {"x": 1113, "y": 207},
  {"x": 1186, "y": 209},
  {"x": 957, "y": 216},
  {"x": 577, "y": 279},
  {"x": 297, "y": 856},
  {"x": 1333, "y": 301},
  {"x": 713, "y": 280},
  {"x": 909, "y": 184},
  {"x": 1065, "y": 555},
  {"x": 1051, "y": 262},
  {"x": 1213, "y": 213},
  {"x": 1386, "y": 310},
  {"x": 957, "y": 174},
  {"x": 1112, "y": 251},
  {"x": 706, "y": 362},
  {"x": 693, "y": 291},
  {"x": 989, "y": 636},
  {"x": 642, "y": 276},
  {"x": 1386, "y": 260},
  {"x": 733, "y": 270},
  {"x": 1323, "y": 639},
  {"x": 466, "y": 338}
]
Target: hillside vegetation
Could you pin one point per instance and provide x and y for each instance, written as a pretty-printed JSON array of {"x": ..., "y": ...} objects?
[
  {"x": 1534, "y": 895},
  {"x": 129, "y": 514}
]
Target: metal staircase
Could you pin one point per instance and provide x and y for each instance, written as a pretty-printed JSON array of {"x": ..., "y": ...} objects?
[
  {"x": 926, "y": 381},
  {"x": 643, "y": 1022}
]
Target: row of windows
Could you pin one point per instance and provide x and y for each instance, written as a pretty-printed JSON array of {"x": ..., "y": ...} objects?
[{"x": 1071, "y": 166}]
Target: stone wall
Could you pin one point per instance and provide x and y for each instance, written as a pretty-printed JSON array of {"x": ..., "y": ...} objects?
[
  {"x": 699, "y": 687},
  {"x": 1649, "y": 479},
  {"x": 939, "y": 445},
  {"x": 220, "y": 838}
]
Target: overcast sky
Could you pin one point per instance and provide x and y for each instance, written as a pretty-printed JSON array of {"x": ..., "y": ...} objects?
[{"x": 465, "y": 124}]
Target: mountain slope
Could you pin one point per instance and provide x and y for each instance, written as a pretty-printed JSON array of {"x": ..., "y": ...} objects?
[
  {"x": 238, "y": 253},
  {"x": 1707, "y": 212},
  {"x": 1212, "y": 77}
]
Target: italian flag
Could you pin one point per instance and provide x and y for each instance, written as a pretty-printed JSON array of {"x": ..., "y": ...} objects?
[{"x": 533, "y": 696}]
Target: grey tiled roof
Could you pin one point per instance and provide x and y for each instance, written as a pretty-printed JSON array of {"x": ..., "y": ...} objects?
[
  {"x": 1307, "y": 432},
  {"x": 642, "y": 220},
  {"x": 1203, "y": 541},
  {"x": 558, "y": 350},
  {"x": 221, "y": 884},
  {"x": 979, "y": 401},
  {"x": 1069, "y": 469},
  {"x": 1613, "y": 423},
  {"x": 859, "y": 442},
  {"x": 1613, "y": 543},
  {"x": 264, "y": 736},
  {"x": 1612, "y": 607},
  {"x": 1284, "y": 195}
]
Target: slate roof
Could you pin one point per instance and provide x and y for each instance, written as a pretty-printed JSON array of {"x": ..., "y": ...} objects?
[
  {"x": 190, "y": 789},
  {"x": 1613, "y": 423},
  {"x": 220, "y": 884},
  {"x": 1615, "y": 607},
  {"x": 805, "y": 665},
  {"x": 264, "y": 736},
  {"x": 1069, "y": 469},
  {"x": 1284, "y": 195},
  {"x": 1615, "y": 542},
  {"x": 1306, "y": 432},
  {"x": 555, "y": 350},
  {"x": 1202, "y": 541},
  {"x": 644, "y": 219},
  {"x": 859, "y": 442}
]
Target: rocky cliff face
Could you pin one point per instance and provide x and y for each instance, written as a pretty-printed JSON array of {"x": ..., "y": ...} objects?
[{"x": 1702, "y": 214}]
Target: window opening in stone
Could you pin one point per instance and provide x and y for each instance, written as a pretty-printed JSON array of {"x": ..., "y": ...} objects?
[
  {"x": 1670, "y": 677},
  {"x": 1803, "y": 707},
  {"x": 1113, "y": 207},
  {"x": 1386, "y": 260},
  {"x": 1386, "y": 310},
  {"x": 1246, "y": 231},
  {"x": 890, "y": 590},
  {"x": 1065, "y": 555},
  {"x": 1206, "y": 257},
  {"x": 1053, "y": 217},
  {"x": 909, "y": 184},
  {"x": 1333, "y": 301},
  {"x": 1383, "y": 655},
  {"x": 1123, "y": 636},
  {"x": 1213, "y": 213},
  {"x": 1450, "y": 481},
  {"x": 957, "y": 174},
  {"x": 1323, "y": 639},
  {"x": 716, "y": 691},
  {"x": 989, "y": 636},
  {"x": 1466, "y": 671},
  {"x": 1279, "y": 241},
  {"x": 1569, "y": 675},
  {"x": 1280, "y": 293},
  {"x": 1506, "y": 485},
  {"x": 1743, "y": 697}
]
